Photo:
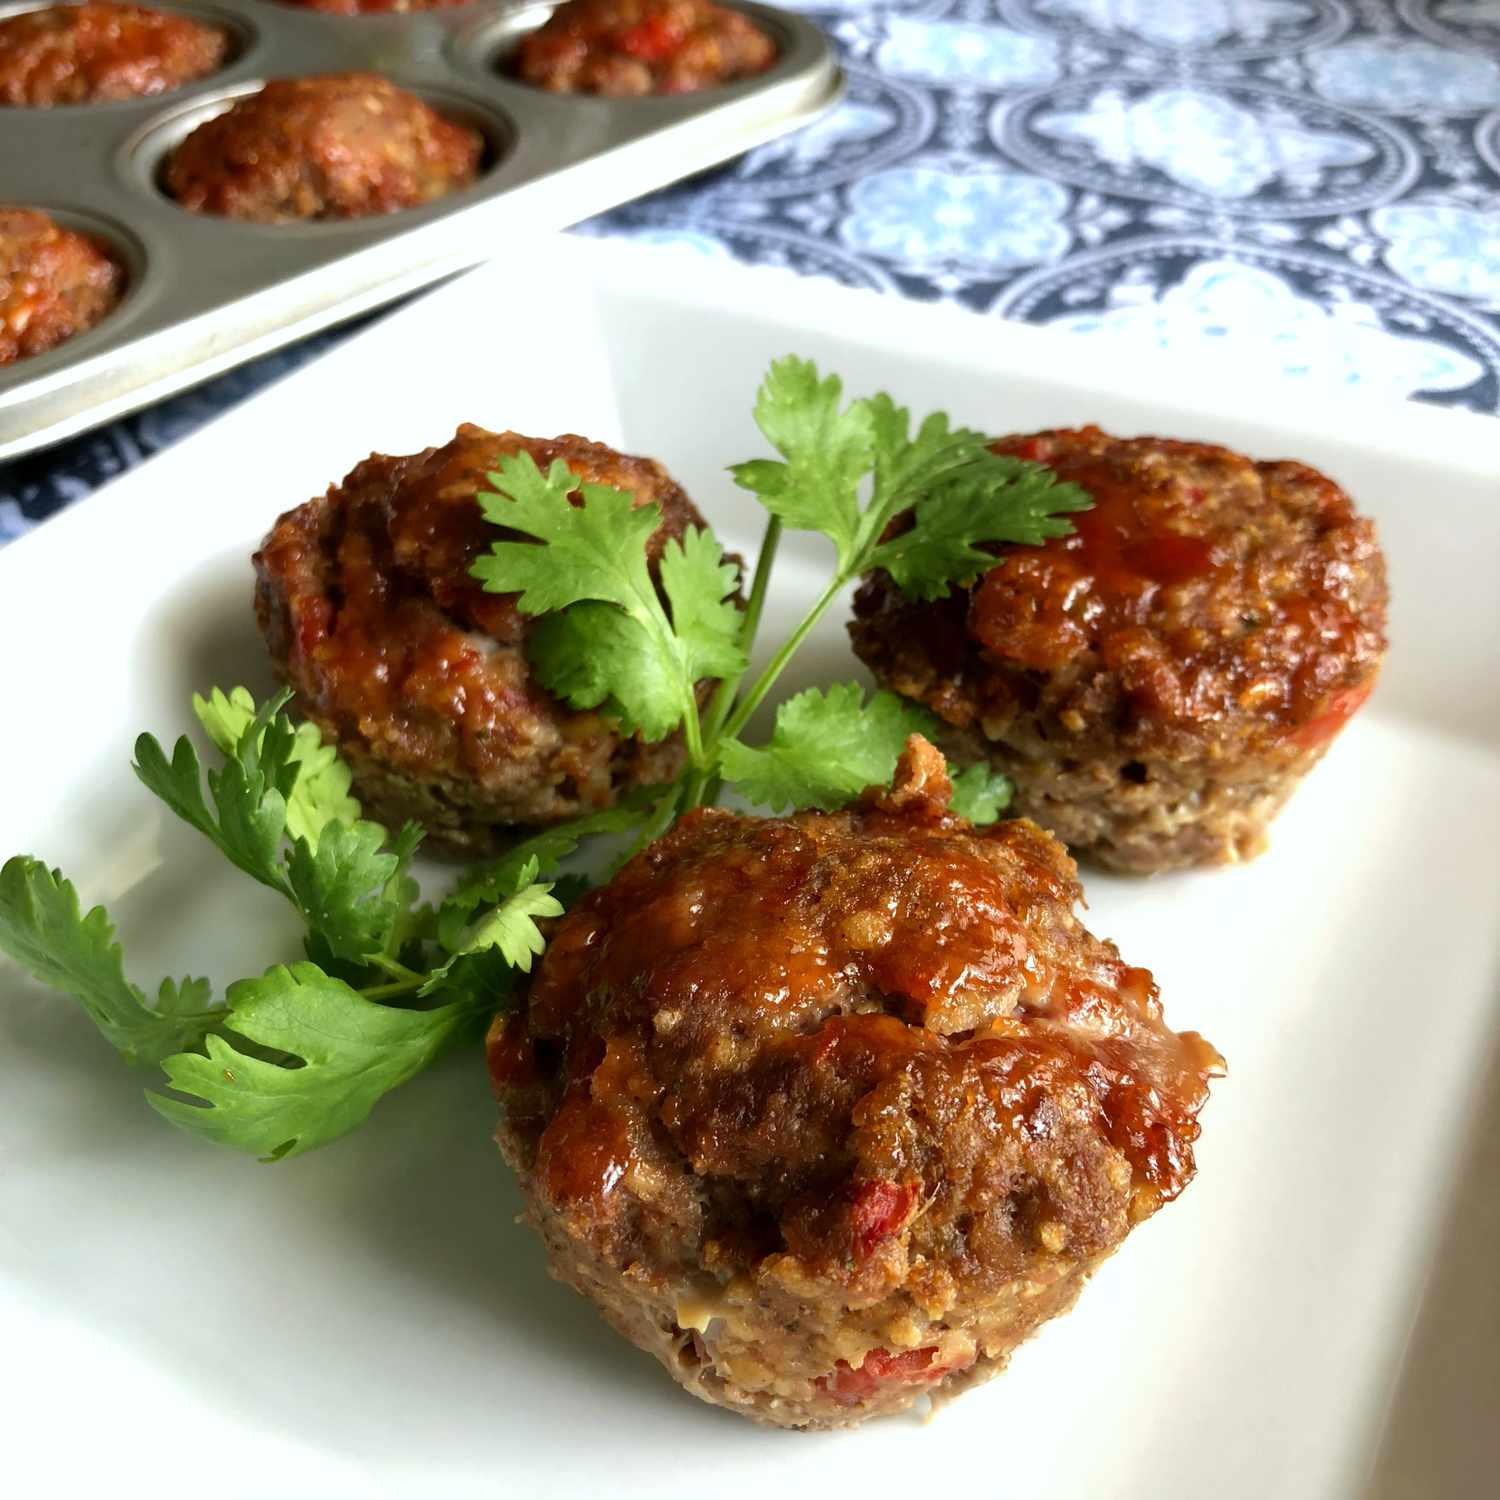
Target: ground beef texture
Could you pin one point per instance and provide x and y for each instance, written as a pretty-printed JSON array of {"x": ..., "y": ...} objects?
[{"x": 830, "y": 1112}]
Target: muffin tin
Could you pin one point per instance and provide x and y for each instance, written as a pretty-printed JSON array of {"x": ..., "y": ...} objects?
[{"x": 206, "y": 293}]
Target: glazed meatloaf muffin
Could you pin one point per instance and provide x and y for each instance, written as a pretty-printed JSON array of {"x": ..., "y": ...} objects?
[
  {"x": 89, "y": 54},
  {"x": 631, "y": 47},
  {"x": 397, "y": 654},
  {"x": 54, "y": 283},
  {"x": 1157, "y": 683},
  {"x": 830, "y": 1112},
  {"x": 339, "y": 146}
]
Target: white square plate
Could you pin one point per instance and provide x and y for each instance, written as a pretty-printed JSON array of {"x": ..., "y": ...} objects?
[{"x": 1316, "y": 1317}]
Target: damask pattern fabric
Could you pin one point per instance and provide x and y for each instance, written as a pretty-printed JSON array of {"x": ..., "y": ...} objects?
[{"x": 1309, "y": 188}]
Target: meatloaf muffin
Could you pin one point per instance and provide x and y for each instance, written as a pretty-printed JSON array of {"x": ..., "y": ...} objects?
[
  {"x": 89, "y": 54},
  {"x": 830, "y": 1112},
  {"x": 1157, "y": 683},
  {"x": 630, "y": 47},
  {"x": 335, "y": 147},
  {"x": 397, "y": 654},
  {"x": 54, "y": 283}
]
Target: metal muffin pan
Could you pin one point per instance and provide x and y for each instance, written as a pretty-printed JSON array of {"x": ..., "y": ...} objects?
[{"x": 205, "y": 293}]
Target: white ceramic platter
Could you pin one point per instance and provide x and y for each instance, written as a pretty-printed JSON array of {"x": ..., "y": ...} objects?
[{"x": 1316, "y": 1317}]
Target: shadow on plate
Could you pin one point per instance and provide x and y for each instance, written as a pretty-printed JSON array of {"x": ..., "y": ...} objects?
[
  {"x": 372, "y": 1299},
  {"x": 213, "y": 619},
  {"x": 1432, "y": 1448}
]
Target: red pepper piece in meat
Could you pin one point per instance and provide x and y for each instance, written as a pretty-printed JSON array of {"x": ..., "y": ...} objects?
[
  {"x": 849, "y": 1385},
  {"x": 880, "y": 1210}
]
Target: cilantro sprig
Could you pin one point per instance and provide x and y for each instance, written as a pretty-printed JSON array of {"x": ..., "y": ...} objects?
[
  {"x": 351, "y": 1050},
  {"x": 829, "y": 745},
  {"x": 297, "y": 1056},
  {"x": 279, "y": 808},
  {"x": 44, "y": 929},
  {"x": 611, "y": 636},
  {"x": 619, "y": 646},
  {"x": 848, "y": 472}
]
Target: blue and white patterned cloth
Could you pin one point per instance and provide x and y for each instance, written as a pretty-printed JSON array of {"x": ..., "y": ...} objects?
[{"x": 1309, "y": 188}]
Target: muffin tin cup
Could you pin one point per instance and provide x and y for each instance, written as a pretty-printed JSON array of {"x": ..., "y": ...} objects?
[
  {"x": 143, "y": 155},
  {"x": 206, "y": 293}
]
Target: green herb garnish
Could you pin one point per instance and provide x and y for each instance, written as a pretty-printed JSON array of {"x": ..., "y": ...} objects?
[
  {"x": 846, "y": 472},
  {"x": 300, "y": 1055}
]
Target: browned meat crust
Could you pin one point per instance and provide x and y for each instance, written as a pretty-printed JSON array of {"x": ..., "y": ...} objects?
[
  {"x": 335, "y": 147},
  {"x": 830, "y": 1112},
  {"x": 630, "y": 47},
  {"x": 53, "y": 283},
  {"x": 365, "y": 600},
  {"x": 1157, "y": 683},
  {"x": 88, "y": 54}
]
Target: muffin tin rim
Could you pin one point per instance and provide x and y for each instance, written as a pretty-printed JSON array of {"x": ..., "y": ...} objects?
[{"x": 195, "y": 311}]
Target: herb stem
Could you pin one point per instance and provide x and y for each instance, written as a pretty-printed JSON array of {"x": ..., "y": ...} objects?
[
  {"x": 788, "y": 648},
  {"x": 655, "y": 620},
  {"x": 657, "y": 821},
  {"x": 692, "y": 733},
  {"x": 695, "y": 788},
  {"x": 396, "y": 987},
  {"x": 397, "y": 970},
  {"x": 723, "y": 700}
]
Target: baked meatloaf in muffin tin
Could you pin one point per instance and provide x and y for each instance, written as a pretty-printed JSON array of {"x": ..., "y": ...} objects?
[
  {"x": 258, "y": 170},
  {"x": 96, "y": 54},
  {"x": 339, "y": 146},
  {"x": 55, "y": 283}
]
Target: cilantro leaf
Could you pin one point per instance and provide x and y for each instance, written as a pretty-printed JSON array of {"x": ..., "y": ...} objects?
[
  {"x": 907, "y": 466},
  {"x": 278, "y": 782},
  {"x": 224, "y": 716},
  {"x": 980, "y": 794},
  {"x": 511, "y": 926},
  {"x": 593, "y": 656},
  {"x": 600, "y": 658},
  {"x": 248, "y": 817},
  {"x": 826, "y": 748},
  {"x": 988, "y": 497},
  {"x": 412, "y": 923},
  {"x": 517, "y": 900},
  {"x": 44, "y": 930},
  {"x": 503, "y": 879},
  {"x": 321, "y": 792},
  {"x": 960, "y": 495},
  {"x": 700, "y": 587},
  {"x": 352, "y": 1051},
  {"x": 828, "y": 452},
  {"x": 482, "y": 980},
  {"x": 606, "y": 639},
  {"x": 539, "y": 855},
  {"x": 344, "y": 888},
  {"x": 594, "y": 550}
]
